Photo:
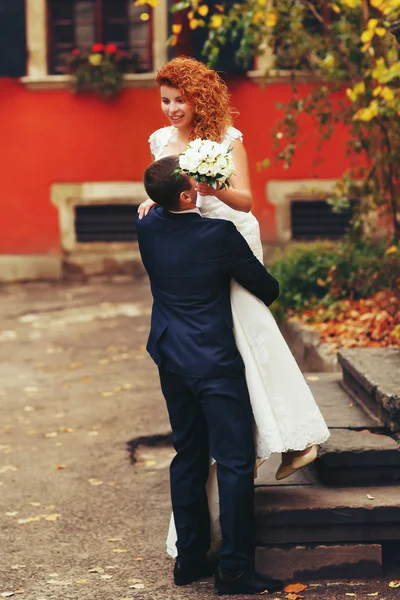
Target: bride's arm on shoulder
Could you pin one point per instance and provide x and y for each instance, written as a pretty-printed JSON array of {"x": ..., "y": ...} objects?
[{"x": 238, "y": 196}]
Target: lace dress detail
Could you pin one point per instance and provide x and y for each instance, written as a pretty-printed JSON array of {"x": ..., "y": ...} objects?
[{"x": 286, "y": 416}]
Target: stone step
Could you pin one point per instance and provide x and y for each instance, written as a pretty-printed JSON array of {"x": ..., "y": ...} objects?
[
  {"x": 307, "y": 530},
  {"x": 358, "y": 458},
  {"x": 360, "y": 450},
  {"x": 372, "y": 377}
]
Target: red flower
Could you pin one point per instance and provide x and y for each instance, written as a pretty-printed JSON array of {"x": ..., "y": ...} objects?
[
  {"x": 111, "y": 48},
  {"x": 97, "y": 48},
  {"x": 75, "y": 52}
]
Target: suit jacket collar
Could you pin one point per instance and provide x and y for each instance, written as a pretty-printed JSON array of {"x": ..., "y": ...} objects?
[{"x": 164, "y": 214}]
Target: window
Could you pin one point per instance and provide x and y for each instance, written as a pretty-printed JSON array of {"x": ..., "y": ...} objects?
[
  {"x": 82, "y": 23},
  {"x": 12, "y": 38}
]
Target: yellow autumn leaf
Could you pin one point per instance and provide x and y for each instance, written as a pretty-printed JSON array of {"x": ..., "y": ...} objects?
[
  {"x": 119, "y": 550},
  {"x": 394, "y": 584},
  {"x": 367, "y": 36},
  {"x": 391, "y": 250},
  {"x": 176, "y": 28},
  {"x": 387, "y": 94},
  {"x": 381, "y": 31},
  {"x": 271, "y": 19},
  {"x": 359, "y": 88},
  {"x": 94, "y": 481},
  {"x": 203, "y": 10},
  {"x": 194, "y": 23},
  {"x": 216, "y": 21}
]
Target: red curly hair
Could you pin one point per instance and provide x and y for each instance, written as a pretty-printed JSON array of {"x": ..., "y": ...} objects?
[{"x": 204, "y": 89}]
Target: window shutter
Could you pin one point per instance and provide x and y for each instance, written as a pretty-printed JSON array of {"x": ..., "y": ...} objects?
[{"x": 13, "y": 51}]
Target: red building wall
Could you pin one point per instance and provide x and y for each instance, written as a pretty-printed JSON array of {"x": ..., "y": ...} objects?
[{"x": 54, "y": 136}]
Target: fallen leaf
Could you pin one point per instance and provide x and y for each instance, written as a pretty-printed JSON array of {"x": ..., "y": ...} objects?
[
  {"x": 295, "y": 588},
  {"x": 350, "y": 594},
  {"x": 60, "y": 467},
  {"x": 12, "y": 514},
  {"x": 96, "y": 570},
  {"x": 8, "y": 468},
  {"x": 114, "y": 539},
  {"x": 137, "y": 586},
  {"x": 93, "y": 481},
  {"x": 82, "y": 581},
  {"x": 134, "y": 581},
  {"x": 370, "y": 497},
  {"x": 67, "y": 429},
  {"x": 394, "y": 584},
  {"x": 374, "y": 594},
  {"x": 31, "y": 389},
  {"x": 53, "y": 434},
  {"x": 29, "y": 520},
  {"x": 35, "y": 503},
  {"x": 106, "y": 576},
  {"x": 138, "y": 559},
  {"x": 76, "y": 365},
  {"x": 292, "y": 596},
  {"x": 53, "y": 517},
  {"x": 150, "y": 463},
  {"x": 119, "y": 550},
  {"x": 7, "y": 594}
]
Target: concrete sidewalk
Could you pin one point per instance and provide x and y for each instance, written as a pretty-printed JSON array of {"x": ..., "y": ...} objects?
[{"x": 79, "y": 521}]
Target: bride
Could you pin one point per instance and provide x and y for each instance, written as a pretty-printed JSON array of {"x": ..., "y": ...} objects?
[{"x": 287, "y": 420}]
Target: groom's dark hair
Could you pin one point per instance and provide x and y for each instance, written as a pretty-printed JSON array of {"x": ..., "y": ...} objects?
[{"x": 162, "y": 186}]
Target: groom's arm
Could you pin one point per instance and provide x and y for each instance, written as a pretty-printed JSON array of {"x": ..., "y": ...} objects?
[{"x": 239, "y": 263}]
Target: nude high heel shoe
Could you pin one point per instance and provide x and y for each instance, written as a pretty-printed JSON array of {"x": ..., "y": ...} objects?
[
  {"x": 297, "y": 463},
  {"x": 305, "y": 459}
]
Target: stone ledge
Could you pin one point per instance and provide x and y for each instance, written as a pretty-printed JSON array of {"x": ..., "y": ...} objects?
[
  {"x": 372, "y": 376},
  {"x": 310, "y": 354},
  {"x": 27, "y": 267},
  {"x": 62, "y": 82},
  {"x": 320, "y": 562}
]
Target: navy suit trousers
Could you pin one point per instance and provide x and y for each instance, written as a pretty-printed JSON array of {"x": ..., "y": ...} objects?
[{"x": 212, "y": 417}]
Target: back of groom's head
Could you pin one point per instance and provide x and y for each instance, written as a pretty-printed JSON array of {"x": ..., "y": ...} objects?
[{"x": 162, "y": 186}]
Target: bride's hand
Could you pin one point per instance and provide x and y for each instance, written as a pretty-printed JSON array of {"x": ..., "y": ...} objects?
[
  {"x": 205, "y": 190},
  {"x": 145, "y": 207}
]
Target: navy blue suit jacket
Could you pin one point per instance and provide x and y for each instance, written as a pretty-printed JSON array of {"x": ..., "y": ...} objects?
[{"x": 190, "y": 261}]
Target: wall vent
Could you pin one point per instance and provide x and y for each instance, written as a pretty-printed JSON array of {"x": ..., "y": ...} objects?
[
  {"x": 105, "y": 223},
  {"x": 312, "y": 219}
]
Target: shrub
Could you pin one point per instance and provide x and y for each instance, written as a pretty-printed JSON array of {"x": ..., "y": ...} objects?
[{"x": 321, "y": 273}]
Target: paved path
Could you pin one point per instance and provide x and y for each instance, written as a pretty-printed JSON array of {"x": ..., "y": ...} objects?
[{"x": 78, "y": 521}]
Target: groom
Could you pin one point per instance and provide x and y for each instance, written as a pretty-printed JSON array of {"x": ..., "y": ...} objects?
[{"x": 190, "y": 262}]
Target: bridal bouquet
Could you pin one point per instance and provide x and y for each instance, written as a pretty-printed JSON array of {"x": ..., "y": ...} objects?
[{"x": 208, "y": 162}]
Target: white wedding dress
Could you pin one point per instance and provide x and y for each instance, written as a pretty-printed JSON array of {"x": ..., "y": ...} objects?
[{"x": 286, "y": 416}]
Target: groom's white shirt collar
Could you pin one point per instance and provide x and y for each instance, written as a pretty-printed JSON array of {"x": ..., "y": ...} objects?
[{"x": 185, "y": 212}]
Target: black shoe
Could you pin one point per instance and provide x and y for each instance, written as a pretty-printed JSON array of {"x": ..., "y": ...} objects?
[
  {"x": 185, "y": 573},
  {"x": 244, "y": 582}
]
